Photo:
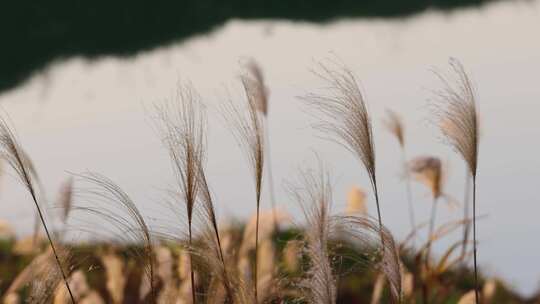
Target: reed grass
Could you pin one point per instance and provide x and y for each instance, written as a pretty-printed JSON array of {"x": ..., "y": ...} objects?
[
  {"x": 248, "y": 128},
  {"x": 344, "y": 114},
  {"x": 258, "y": 262},
  {"x": 254, "y": 76},
  {"x": 183, "y": 125},
  {"x": 458, "y": 122},
  {"x": 13, "y": 154},
  {"x": 100, "y": 201},
  {"x": 394, "y": 124}
]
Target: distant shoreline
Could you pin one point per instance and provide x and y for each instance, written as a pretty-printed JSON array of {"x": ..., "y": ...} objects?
[{"x": 34, "y": 34}]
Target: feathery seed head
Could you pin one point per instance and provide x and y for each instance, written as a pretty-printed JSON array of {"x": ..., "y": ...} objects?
[
  {"x": 456, "y": 113},
  {"x": 394, "y": 125},
  {"x": 345, "y": 114},
  {"x": 428, "y": 170}
]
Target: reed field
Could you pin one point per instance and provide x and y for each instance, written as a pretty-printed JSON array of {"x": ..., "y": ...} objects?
[{"x": 187, "y": 253}]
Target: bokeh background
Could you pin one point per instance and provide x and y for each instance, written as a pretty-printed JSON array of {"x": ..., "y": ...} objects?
[{"x": 79, "y": 79}]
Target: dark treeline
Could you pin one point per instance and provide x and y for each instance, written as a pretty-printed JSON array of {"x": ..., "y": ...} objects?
[{"x": 34, "y": 33}]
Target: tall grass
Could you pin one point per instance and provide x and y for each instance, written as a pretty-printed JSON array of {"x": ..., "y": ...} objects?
[
  {"x": 304, "y": 263},
  {"x": 248, "y": 127},
  {"x": 466, "y": 212},
  {"x": 458, "y": 122},
  {"x": 108, "y": 211},
  {"x": 183, "y": 127},
  {"x": 21, "y": 164},
  {"x": 344, "y": 115},
  {"x": 254, "y": 76},
  {"x": 428, "y": 170},
  {"x": 313, "y": 192},
  {"x": 395, "y": 126}
]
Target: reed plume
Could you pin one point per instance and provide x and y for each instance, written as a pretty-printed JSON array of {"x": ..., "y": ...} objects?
[
  {"x": 314, "y": 195},
  {"x": 394, "y": 124},
  {"x": 65, "y": 202},
  {"x": 458, "y": 122},
  {"x": 254, "y": 76},
  {"x": 66, "y": 193},
  {"x": 364, "y": 232},
  {"x": 13, "y": 154},
  {"x": 428, "y": 170},
  {"x": 183, "y": 125},
  {"x": 212, "y": 239},
  {"x": 345, "y": 115},
  {"x": 102, "y": 202},
  {"x": 248, "y": 129}
]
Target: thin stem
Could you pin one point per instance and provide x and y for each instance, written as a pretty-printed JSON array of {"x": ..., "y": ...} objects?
[
  {"x": 270, "y": 177},
  {"x": 378, "y": 211},
  {"x": 227, "y": 287},
  {"x": 467, "y": 225},
  {"x": 431, "y": 228},
  {"x": 41, "y": 217},
  {"x": 428, "y": 249},
  {"x": 409, "y": 194},
  {"x": 476, "y": 293},
  {"x": 256, "y": 251},
  {"x": 36, "y": 230},
  {"x": 152, "y": 280},
  {"x": 192, "y": 275}
]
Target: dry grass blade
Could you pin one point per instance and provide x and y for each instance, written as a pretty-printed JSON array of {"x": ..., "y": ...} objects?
[
  {"x": 105, "y": 204},
  {"x": 11, "y": 152},
  {"x": 405, "y": 242},
  {"x": 248, "y": 128},
  {"x": 314, "y": 194},
  {"x": 445, "y": 261}
]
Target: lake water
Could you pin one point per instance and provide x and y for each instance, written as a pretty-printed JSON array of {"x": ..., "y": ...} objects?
[{"x": 83, "y": 115}]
